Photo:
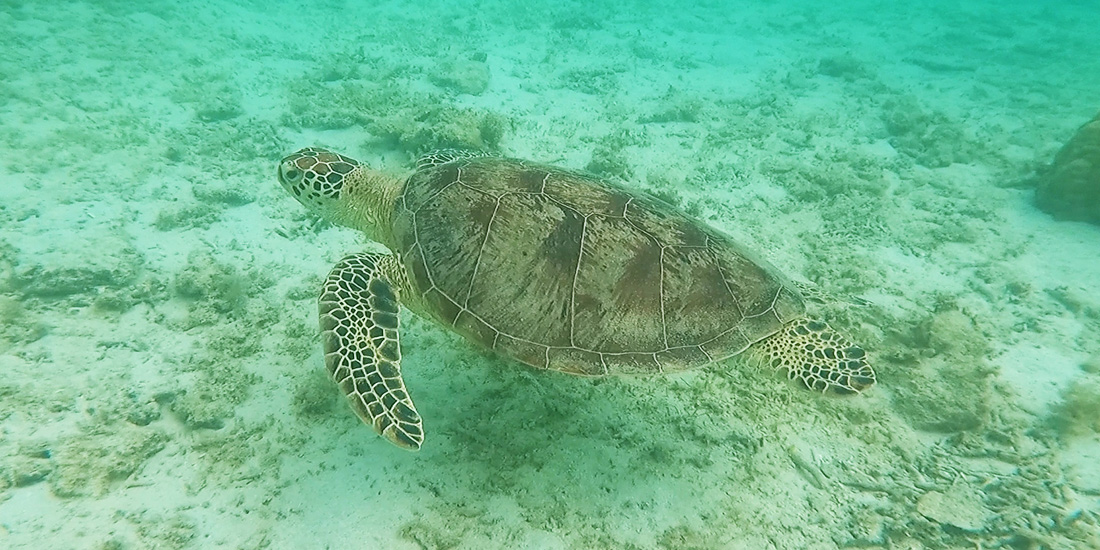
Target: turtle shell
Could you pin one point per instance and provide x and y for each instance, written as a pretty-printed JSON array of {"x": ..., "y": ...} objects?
[{"x": 564, "y": 271}]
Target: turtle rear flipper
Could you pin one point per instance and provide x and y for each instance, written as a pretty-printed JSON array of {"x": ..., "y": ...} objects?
[
  {"x": 812, "y": 352},
  {"x": 359, "y": 326}
]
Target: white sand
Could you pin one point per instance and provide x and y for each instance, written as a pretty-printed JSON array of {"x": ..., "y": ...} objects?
[{"x": 161, "y": 384}]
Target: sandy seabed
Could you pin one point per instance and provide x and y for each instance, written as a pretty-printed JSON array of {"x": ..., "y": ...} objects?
[{"x": 161, "y": 382}]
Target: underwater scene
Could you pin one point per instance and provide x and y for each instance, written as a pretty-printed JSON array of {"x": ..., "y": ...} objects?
[{"x": 924, "y": 177}]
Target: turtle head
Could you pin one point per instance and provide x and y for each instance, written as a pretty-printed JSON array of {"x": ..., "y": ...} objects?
[
  {"x": 316, "y": 177},
  {"x": 341, "y": 189}
]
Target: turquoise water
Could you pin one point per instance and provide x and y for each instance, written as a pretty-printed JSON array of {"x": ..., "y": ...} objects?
[{"x": 161, "y": 378}]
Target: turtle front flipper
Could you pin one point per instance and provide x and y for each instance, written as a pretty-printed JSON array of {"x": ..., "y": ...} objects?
[
  {"x": 359, "y": 326},
  {"x": 812, "y": 352},
  {"x": 443, "y": 156}
]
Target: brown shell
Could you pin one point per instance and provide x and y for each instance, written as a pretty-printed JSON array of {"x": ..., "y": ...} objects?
[{"x": 561, "y": 270}]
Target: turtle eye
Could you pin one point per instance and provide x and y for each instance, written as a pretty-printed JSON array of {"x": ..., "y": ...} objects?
[{"x": 290, "y": 173}]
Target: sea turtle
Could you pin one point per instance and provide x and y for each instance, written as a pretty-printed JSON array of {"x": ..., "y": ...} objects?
[{"x": 554, "y": 268}]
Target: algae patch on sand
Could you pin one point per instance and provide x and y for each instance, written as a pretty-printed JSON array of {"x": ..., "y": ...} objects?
[
  {"x": 1079, "y": 411},
  {"x": 90, "y": 463}
]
